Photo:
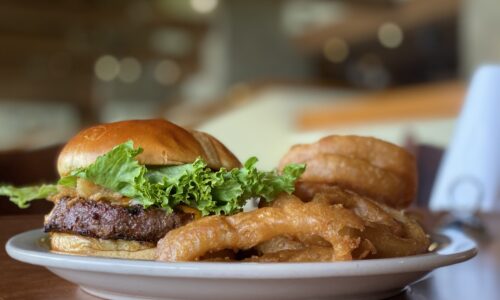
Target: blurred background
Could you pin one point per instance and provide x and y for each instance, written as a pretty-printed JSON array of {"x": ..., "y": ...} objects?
[{"x": 260, "y": 75}]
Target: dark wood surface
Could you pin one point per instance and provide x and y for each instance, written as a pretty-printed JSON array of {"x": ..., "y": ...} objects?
[
  {"x": 478, "y": 278},
  {"x": 28, "y": 167}
]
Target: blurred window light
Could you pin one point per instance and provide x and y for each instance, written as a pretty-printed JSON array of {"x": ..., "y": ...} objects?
[
  {"x": 175, "y": 42},
  {"x": 299, "y": 16},
  {"x": 130, "y": 70},
  {"x": 204, "y": 6},
  {"x": 167, "y": 72},
  {"x": 390, "y": 35},
  {"x": 107, "y": 68},
  {"x": 336, "y": 50}
]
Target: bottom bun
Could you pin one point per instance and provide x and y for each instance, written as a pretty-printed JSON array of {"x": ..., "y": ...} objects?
[{"x": 81, "y": 245}]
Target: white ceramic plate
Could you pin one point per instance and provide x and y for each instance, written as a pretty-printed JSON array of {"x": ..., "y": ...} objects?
[{"x": 133, "y": 279}]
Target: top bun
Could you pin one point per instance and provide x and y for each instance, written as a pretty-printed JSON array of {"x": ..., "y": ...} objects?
[{"x": 164, "y": 143}]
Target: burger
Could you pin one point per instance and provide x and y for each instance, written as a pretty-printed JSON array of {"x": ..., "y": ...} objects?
[{"x": 124, "y": 185}]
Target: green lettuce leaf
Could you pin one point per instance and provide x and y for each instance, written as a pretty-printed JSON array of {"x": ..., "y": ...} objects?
[
  {"x": 116, "y": 170},
  {"x": 194, "y": 185},
  {"x": 24, "y": 195}
]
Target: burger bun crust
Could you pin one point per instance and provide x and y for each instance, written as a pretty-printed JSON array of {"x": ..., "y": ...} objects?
[
  {"x": 163, "y": 143},
  {"x": 79, "y": 245}
]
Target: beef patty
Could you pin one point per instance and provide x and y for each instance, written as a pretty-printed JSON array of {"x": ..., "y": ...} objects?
[{"x": 100, "y": 219}]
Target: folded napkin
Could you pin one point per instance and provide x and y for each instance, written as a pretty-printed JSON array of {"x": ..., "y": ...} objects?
[{"x": 469, "y": 175}]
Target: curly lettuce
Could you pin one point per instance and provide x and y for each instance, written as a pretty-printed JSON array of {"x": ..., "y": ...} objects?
[
  {"x": 194, "y": 185},
  {"x": 24, "y": 195}
]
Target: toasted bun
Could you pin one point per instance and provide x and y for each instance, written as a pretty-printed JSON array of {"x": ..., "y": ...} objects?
[
  {"x": 164, "y": 143},
  {"x": 80, "y": 245}
]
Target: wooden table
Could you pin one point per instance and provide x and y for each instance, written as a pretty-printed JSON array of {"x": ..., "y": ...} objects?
[{"x": 478, "y": 278}]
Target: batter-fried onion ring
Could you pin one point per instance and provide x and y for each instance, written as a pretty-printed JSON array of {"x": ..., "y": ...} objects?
[
  {"x": 358, "y": 175},
  {"x": 286, "y": 249},
  {"x": 368, "y": 166},
  {"x": 388, "y": 232},
  {"x": 392, "y": 232},
  {"x": 289, "y": 216},
  {"x": 379, "y": 153}
]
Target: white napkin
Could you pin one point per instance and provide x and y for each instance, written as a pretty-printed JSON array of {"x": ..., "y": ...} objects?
[{"x": 469, "y": 175}]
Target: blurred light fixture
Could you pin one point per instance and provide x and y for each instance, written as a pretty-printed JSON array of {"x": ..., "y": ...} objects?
[
  {"x": 167, "y": 72},
  {"x": 390, "y": 35},
  {"x": 130, "y": 70},
  {"x": 107, "y": 67},
  {"x": 336, "y": 50},
  {"x": 204, "y": 6}
]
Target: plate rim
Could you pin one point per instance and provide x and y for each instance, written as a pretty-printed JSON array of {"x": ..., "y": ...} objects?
[{"x": 459, "y": 248}]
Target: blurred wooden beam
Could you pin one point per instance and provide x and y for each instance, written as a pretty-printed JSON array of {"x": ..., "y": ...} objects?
[
  {"x": 417, "y": 102},
  {"x": 86, "y": 14},
  {"x": 16, "y": 49}
]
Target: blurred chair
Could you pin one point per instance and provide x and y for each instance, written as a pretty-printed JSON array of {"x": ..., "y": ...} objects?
[
  {"x": 428, "y": 160},
  {"x": 22, "y": 168}
]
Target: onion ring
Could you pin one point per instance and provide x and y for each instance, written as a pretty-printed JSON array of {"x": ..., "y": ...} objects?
[
  {"x": 306, "y": 254},
  {"x": 368, "y": 166},
  {"x": 388, "y": 232},
  {"x": 379, "y": 153},
  {"x": 357, "y": 175},
  {"x": 392, "y": 232},
  {"x": 286, "y": 249},
  {"x": 289, "y": 216}
]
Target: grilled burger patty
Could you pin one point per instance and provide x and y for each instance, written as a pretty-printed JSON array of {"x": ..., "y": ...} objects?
[{"x": 100, "y": 219}]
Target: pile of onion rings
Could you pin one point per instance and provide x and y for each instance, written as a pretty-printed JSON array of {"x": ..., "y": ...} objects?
[
  {"x": 289, "y": 216},
  {"x": 346, "y": 207},
  {"x": 336, "y": 225},
  {"x": 392, "y": 232}
]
